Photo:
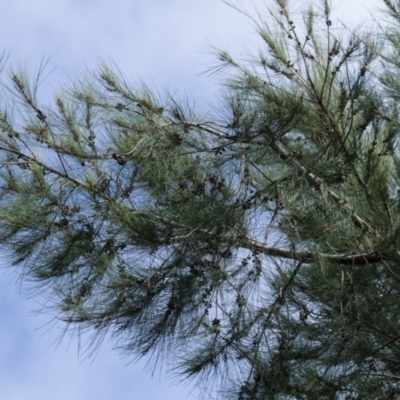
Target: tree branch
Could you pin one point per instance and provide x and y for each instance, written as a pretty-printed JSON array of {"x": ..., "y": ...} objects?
[
  {"x": 45, "y": 166},
  {"x": 309, "y": 256},
  {"x": 319, "y": 184}
]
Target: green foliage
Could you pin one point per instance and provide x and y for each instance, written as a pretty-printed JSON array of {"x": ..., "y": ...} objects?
[{"x": 256, "y": 247}]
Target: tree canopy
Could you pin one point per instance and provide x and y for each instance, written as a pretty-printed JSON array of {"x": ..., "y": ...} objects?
[{"x": 256, "y": 246}]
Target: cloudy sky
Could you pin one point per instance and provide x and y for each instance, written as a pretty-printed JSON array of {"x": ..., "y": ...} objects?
[{"x": 164, "y": 42}]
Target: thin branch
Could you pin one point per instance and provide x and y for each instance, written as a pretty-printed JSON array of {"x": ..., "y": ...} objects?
[
  {"x": 383, "y": 346},
  {"x": 45, "y": 166}
]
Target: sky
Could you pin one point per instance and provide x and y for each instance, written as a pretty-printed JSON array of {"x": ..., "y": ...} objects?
[{"x": 166, "y": 43}]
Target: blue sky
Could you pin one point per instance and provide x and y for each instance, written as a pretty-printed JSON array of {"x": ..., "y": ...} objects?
[{"x": 163, "y": 42}]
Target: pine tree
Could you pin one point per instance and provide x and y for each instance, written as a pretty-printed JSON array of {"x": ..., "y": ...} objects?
[{"x": 256, "y": 247}]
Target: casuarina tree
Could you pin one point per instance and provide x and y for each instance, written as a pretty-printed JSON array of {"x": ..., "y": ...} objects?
[{"x": 255, "y": 247}]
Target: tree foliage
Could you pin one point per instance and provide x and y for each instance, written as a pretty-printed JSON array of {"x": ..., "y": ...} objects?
[{"x": 256, "y": 246}]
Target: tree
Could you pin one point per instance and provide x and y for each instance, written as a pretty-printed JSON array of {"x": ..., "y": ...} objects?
[{"x": 256, "y": 246}]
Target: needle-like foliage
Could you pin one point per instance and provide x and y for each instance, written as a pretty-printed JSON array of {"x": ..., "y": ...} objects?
[{"x": 256, "y": 247}]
